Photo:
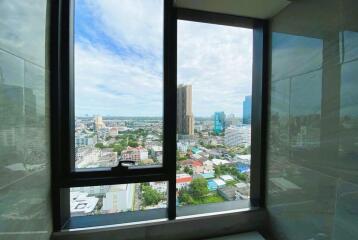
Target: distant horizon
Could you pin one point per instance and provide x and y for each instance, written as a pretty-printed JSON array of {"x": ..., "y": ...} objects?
[{"x": 142, "y": 116}]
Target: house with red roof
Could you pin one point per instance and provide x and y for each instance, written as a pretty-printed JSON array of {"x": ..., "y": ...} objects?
[{"x": 183, "y": 180}]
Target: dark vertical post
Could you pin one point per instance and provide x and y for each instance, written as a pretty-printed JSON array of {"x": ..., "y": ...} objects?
[
  {"x": 60, "y": 198},
  {"x": 259, "y": 113},
  {"x": 71, "y": 83},
  {"x": 170, "y": 101}
]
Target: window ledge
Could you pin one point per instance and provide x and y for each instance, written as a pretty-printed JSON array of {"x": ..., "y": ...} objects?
[{"x": 210, "y": 225}]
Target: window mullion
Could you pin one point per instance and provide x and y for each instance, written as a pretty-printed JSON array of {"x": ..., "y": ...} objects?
[{"x": 170, "y": 50}]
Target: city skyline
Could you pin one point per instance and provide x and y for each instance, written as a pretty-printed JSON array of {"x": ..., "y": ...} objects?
[{"x": 209, "y": 117}]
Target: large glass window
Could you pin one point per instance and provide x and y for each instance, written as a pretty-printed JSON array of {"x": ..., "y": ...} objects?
[
  {"x": 96, "y": 200},
  {"x": 213, "y": 113},
  {"x": 122, "y": 147},
  {"x": 118, "y": 76}
]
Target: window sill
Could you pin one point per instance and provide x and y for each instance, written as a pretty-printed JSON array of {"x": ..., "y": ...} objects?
[
  {"x": 210, "y": 225},
  {"x": 155, "y": 215},
  {"x": 213, "y": 209}
]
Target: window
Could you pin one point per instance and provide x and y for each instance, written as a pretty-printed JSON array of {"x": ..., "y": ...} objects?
[
  {"x": 99, "y": 200},
  {"x": 121, "y": 118},
  {"x": 213, "y": 114},
  {"x": 118, "y": 80}
]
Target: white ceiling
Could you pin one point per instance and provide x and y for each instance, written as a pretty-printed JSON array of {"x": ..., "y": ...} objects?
[{"x": 262, "y": 9}]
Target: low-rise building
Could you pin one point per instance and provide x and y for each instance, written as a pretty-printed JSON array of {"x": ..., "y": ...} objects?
[
  {"x": 156, "y": 152},
  {"x": 226, "y": 178},
  {"x": 196, "y": 156},
  {"x": 119, "y": 198},
  {"x": 218, "y": 162},
  {"x": 182, "y": 147},
  {"x": 208, "y": 166},
  {"x": 161, "y": 187},
  {"x": 196, "y": 165},
  {"x": 81, "y": 204},
  {"x": 183, "y": 180},
  {"x": 134, "y": 154},
  {"x": 243, "y": 191},
  {"x": 86, "y": 156},
  {"x": 85, "y": 140},
  {"x": 229, "y": 193},
  {"x": 113, "y": 132},
  {"x": 214, "y": 184},
  {"x": 97, "y": 191},
  {"x": 219, "y": 182},
  {"x": 210, "y": 175}
]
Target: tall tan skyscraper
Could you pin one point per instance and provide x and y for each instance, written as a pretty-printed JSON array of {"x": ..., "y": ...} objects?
[
  {"x": 185, "y": 118},
  {"x": 98, "y": 122}
]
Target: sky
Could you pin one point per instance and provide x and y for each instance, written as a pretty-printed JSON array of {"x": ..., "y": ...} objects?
[{"x": 119, "y": 56}]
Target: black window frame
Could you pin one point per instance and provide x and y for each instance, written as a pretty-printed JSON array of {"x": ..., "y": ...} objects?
[{"x": 64, "y": 177}]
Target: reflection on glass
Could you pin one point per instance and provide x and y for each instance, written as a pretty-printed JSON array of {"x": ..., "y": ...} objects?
[
  {"x": 214, "y": 113},
  {"x": 118, "y": 82},
  {"x": 305, "y": 112},
  {"x": 349, "y": 46},
  {"x": 313, "y": 125},
  {"x": 24, "y": 130},
  {"x": 95, "y": 200},
  {"x": 305, "y": 52},
  {"x": 295, "y": 115}
]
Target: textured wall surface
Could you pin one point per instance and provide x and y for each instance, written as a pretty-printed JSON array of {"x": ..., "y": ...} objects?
[
  {"x": 313, "y": 125},
  {"x": 24, "y": 122}
]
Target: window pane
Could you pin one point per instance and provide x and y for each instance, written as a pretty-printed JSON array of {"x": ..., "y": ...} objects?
[
  {"x": 214, "y": 114},
  {"x": 118, "y": 82},
  {"x": 96, "y": 200}
]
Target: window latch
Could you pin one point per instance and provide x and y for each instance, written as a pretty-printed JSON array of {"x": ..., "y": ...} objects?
[{"x": 123, "y": 166}]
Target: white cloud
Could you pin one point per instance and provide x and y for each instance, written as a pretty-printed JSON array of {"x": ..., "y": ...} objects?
[
  {"x": 137, "y": 22},
  {"x": 216, "y": 60},
  {"x": 109, "y": 85}
]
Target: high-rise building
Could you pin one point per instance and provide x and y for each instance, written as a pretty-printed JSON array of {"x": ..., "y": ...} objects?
[
  {"x": 231, "y": 120},
  {"x": 219, "y": 122},
  {"x": 237, "y": 136},
  {"x": 98, "y": 122},
  {"x": 185, "y": 118},
  {"x": 246, "y": 119}
]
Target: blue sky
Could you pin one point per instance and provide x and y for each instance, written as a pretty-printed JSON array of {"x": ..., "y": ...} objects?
[{"x": 118, "y": 60}]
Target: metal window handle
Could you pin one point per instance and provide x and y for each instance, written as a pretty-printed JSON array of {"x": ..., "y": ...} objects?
[{"x": 123, "y": 165}]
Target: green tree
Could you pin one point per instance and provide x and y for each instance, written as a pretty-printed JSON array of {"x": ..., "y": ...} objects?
[
  {"x": 242, "y": 177},
  {"x": 198, "y": 188},
  {"x": 150, "y": 196},
  {"x": 217, "y": 170},
  {"x": 188, "y": 170},
  {"x": 99, "y": 145},
  {"x": 184, "y": 197},
  {"x": 183, "y": 158},
  {"x": 133, "y": 144},
  {"x": 118, "y": 148}
]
